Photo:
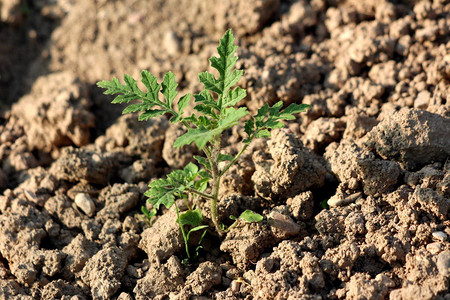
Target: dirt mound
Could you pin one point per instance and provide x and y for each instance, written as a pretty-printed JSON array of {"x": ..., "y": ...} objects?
[{"x": 355, "y": 192}]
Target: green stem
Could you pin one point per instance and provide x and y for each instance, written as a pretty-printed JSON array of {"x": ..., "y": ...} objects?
[
  {"x": 186, "y": 241},
  {"x": 214, "y": 201},
  {"x": 216, "y": 185},
  {"x": 232, "y": 226},
  {"x": 234, "y": 160},
  {"x": 204, "y": 195}
]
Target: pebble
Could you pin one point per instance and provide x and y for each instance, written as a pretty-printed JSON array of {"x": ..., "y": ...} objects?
[
  {"x": 434, "y": 248},
  {"x": 440, "y": 236},
  {"x": 33, "y": 198},
  {"x": 235, "y": 286},
  {"x": 338, "y": 200},
  {"x": 443, "y": 263},
  {"x": 85, "y": 203},
  {"x": 283, "y": 223}
]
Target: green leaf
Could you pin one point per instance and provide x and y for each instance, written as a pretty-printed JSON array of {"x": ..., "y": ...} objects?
[
  {"x": 152, "y": 113},
  {"x": 203, "y": 161},
  {"x": 200, "y": 136},
  {"x": 165, "y": 198},
  {"x": 249, "y": 127},
  {"x": 148, "y": 214},
  {"x": 191, "y": 217},
  {"x": 234, "y": 78},
  {"x": 224, "y": 157},
  {"x": 250, "y": 216},
  {"x": 190, "y": 169},
  {"x": 164, "y": 191},
  {"x": 262, "y": 112},
  {"x": 169, "y": 88},
  {"x": 134, "y": 108},
  {"x": 131, "y": 84},
  {"x": 226, "y": 61},
  {"x": 274, "y": 110},
  {"x": 210, "y": 82},
  {"x": 183, "y": 103},
  {"x": 151, "y": 84},
  {"x": 197, "y": 229},
  {"x": 234, "y": 96},
  {"x": 287, "y": 114},
  {"x": 232, "y": 116},
  {"x": 263, "y": 134},
  {"x": 207, "y": 110}
]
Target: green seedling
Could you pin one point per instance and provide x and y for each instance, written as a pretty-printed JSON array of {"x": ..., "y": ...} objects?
[
  {"x": 216, "y": 110},
  {"x": 148, "y": 214}
]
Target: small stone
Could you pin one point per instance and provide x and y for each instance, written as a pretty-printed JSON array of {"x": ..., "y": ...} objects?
[
  {"x": 172, "y": 43},
  {"x": 284, "y": 224},
  {"x": 443, "y": 263},
  {"x": 440, "y": 236},
  {"x": 85, "y": 203},
  {"x": 31, "y": 196},
  {"x": 235, "y": 286},
  {"x": 339, "y": 200},
  {"x": 434, "y": 248},
  {"x": 422, "y": 100}
]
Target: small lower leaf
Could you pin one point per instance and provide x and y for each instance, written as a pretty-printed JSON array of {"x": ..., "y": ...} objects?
[
  {"x": 191, "y": 217},
  {"x": 250, "y": 216}
]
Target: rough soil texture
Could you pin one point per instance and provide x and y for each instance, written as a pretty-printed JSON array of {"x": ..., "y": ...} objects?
[{"x": 374, "y": 149}]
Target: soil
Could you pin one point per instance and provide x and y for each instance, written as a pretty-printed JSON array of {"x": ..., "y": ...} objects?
[{"x": 355, "y": 192}]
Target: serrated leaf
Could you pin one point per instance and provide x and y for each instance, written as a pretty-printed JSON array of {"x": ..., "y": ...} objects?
[
  {"x": 262, "y": 112},
  {"x": 249, "y": 127},
  {"x": 134, "y": 108},
  {"x": 273, "y": 124},
  {"x": 169, "y": 88},
  {"x": 250, "y": 216},
  {"x": 263, "y": 134},
  {"x": 132, "y": 84},
  {"x": 210, "y": 82},
  {"x": 203, "y": 122},
  {"x": 124, "y": 98},
  {"x": 166, "y": 199},
  {"x": 207, "y": 110},
  {"x": 287, "y": 114},
  {"x": 226, "y": 60},
  {"x": 275, "y": 109},
  {"x": 232, "y": 79},
  {"x": 203, "y": 161},
  {"x": 224, "y": 157},
  {"x": 152, "y": 113},
  {"x": 190, "y": 217},
  {"x": 234, "y": 96},
  {"x": 200, "y": 136},
  {"x": 232, "y": 116},
  {"x": 151, "y": 84},
  {"x": 183, "y": 103}
]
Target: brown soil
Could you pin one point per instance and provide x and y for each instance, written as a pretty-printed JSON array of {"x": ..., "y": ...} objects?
[{"x": 375, "y": 146}]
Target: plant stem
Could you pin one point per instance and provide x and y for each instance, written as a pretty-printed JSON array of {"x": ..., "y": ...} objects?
[
  {"x": 214, "y": 205},
  {"x": 216, "y": 184},
  {"x": 234, "y": 160},
  {"x": 204, "y": 195},
  {"x": 183, "y": 233}
]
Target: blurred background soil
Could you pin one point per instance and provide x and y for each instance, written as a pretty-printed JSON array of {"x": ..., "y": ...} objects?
[{"x": 374, "y": 150}]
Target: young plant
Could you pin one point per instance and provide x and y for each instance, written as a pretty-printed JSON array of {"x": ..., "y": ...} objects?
[{"x": 216, "y": 111}]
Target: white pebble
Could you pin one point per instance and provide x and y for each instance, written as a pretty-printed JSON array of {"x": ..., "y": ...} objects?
[
  {"x": 440, "y": 236},
  {"x": 85, "y": 203},
  {"x": 339, "y": 200},
  {"x": 434, "y": 248}
]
